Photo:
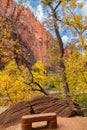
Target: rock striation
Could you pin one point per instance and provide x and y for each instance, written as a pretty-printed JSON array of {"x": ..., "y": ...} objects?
[{"x": 31, "y": 31}]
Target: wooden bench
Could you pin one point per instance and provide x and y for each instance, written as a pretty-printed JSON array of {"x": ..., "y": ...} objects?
[{"x": 27, "y": 120}]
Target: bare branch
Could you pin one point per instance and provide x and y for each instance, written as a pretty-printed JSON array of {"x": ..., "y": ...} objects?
[{"x": 57, "y": 5}]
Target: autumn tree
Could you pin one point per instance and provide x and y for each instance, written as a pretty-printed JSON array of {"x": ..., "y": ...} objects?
[
  {"x": 54, "y": 18},
  {"x": 36, "y": 78},
  {"x": 14, "y": 53},
  {"x": 12, "y": 84},
  {"x": 17, "y": 83},
  {"x": 10, "y": 50},
  {"x": 76, "y": 69},
  {"x": 63, "y": 16},
  {"x": 75, "y": 22}
]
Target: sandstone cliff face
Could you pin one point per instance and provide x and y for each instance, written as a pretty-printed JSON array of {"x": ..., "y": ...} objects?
[
  {"x": 31, "y": 31},
  {"x": 12, "y": 46}
]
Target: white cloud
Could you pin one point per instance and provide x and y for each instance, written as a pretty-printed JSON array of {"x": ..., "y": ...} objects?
[
  {"x": 84, "y": 9},
  {"x": 39, "y": 13},
  {"x": 65, "y": 39},
  {"x": 79, "y": 1}
]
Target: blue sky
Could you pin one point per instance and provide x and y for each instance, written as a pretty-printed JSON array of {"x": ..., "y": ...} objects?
[{"x": 37, "y": 9}]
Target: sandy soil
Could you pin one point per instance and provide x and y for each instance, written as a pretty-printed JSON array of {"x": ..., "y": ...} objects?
[{"x": 75, "y": 123}]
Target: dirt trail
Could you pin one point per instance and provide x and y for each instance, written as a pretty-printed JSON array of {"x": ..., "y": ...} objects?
[{"x": 74, "y": 123}]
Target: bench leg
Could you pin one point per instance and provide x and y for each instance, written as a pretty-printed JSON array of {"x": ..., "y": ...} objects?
[
  {"x": 52, "y": 124},
  {"x": 26, "y": 126}
]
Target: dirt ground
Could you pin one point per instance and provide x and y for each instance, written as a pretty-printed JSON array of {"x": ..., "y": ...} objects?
[{"x": 74, "y": 123}]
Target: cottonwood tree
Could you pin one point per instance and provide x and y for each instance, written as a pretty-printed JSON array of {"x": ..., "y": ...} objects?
[
  {"x": 53, "y": 5},
  {"x": 38, "y": 78},
  {"x": 63, "y": 16},
  {"x": 14, "y": 53},
  {"x": 12, "y": 84},
  {"x": 76, "y": 69}
]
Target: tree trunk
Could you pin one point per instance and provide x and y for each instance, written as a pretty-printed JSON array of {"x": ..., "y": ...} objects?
[{"x": 61, "y": 53}]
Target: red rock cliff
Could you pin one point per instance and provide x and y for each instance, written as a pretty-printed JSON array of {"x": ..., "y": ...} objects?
[{"x": 31, "y": 31}]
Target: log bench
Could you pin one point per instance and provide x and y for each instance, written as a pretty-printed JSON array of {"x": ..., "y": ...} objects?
[{"x": 27, "y": 120}]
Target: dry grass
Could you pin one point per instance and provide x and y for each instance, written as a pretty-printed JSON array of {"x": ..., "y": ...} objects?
[{"x": 75, "y": 123}]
